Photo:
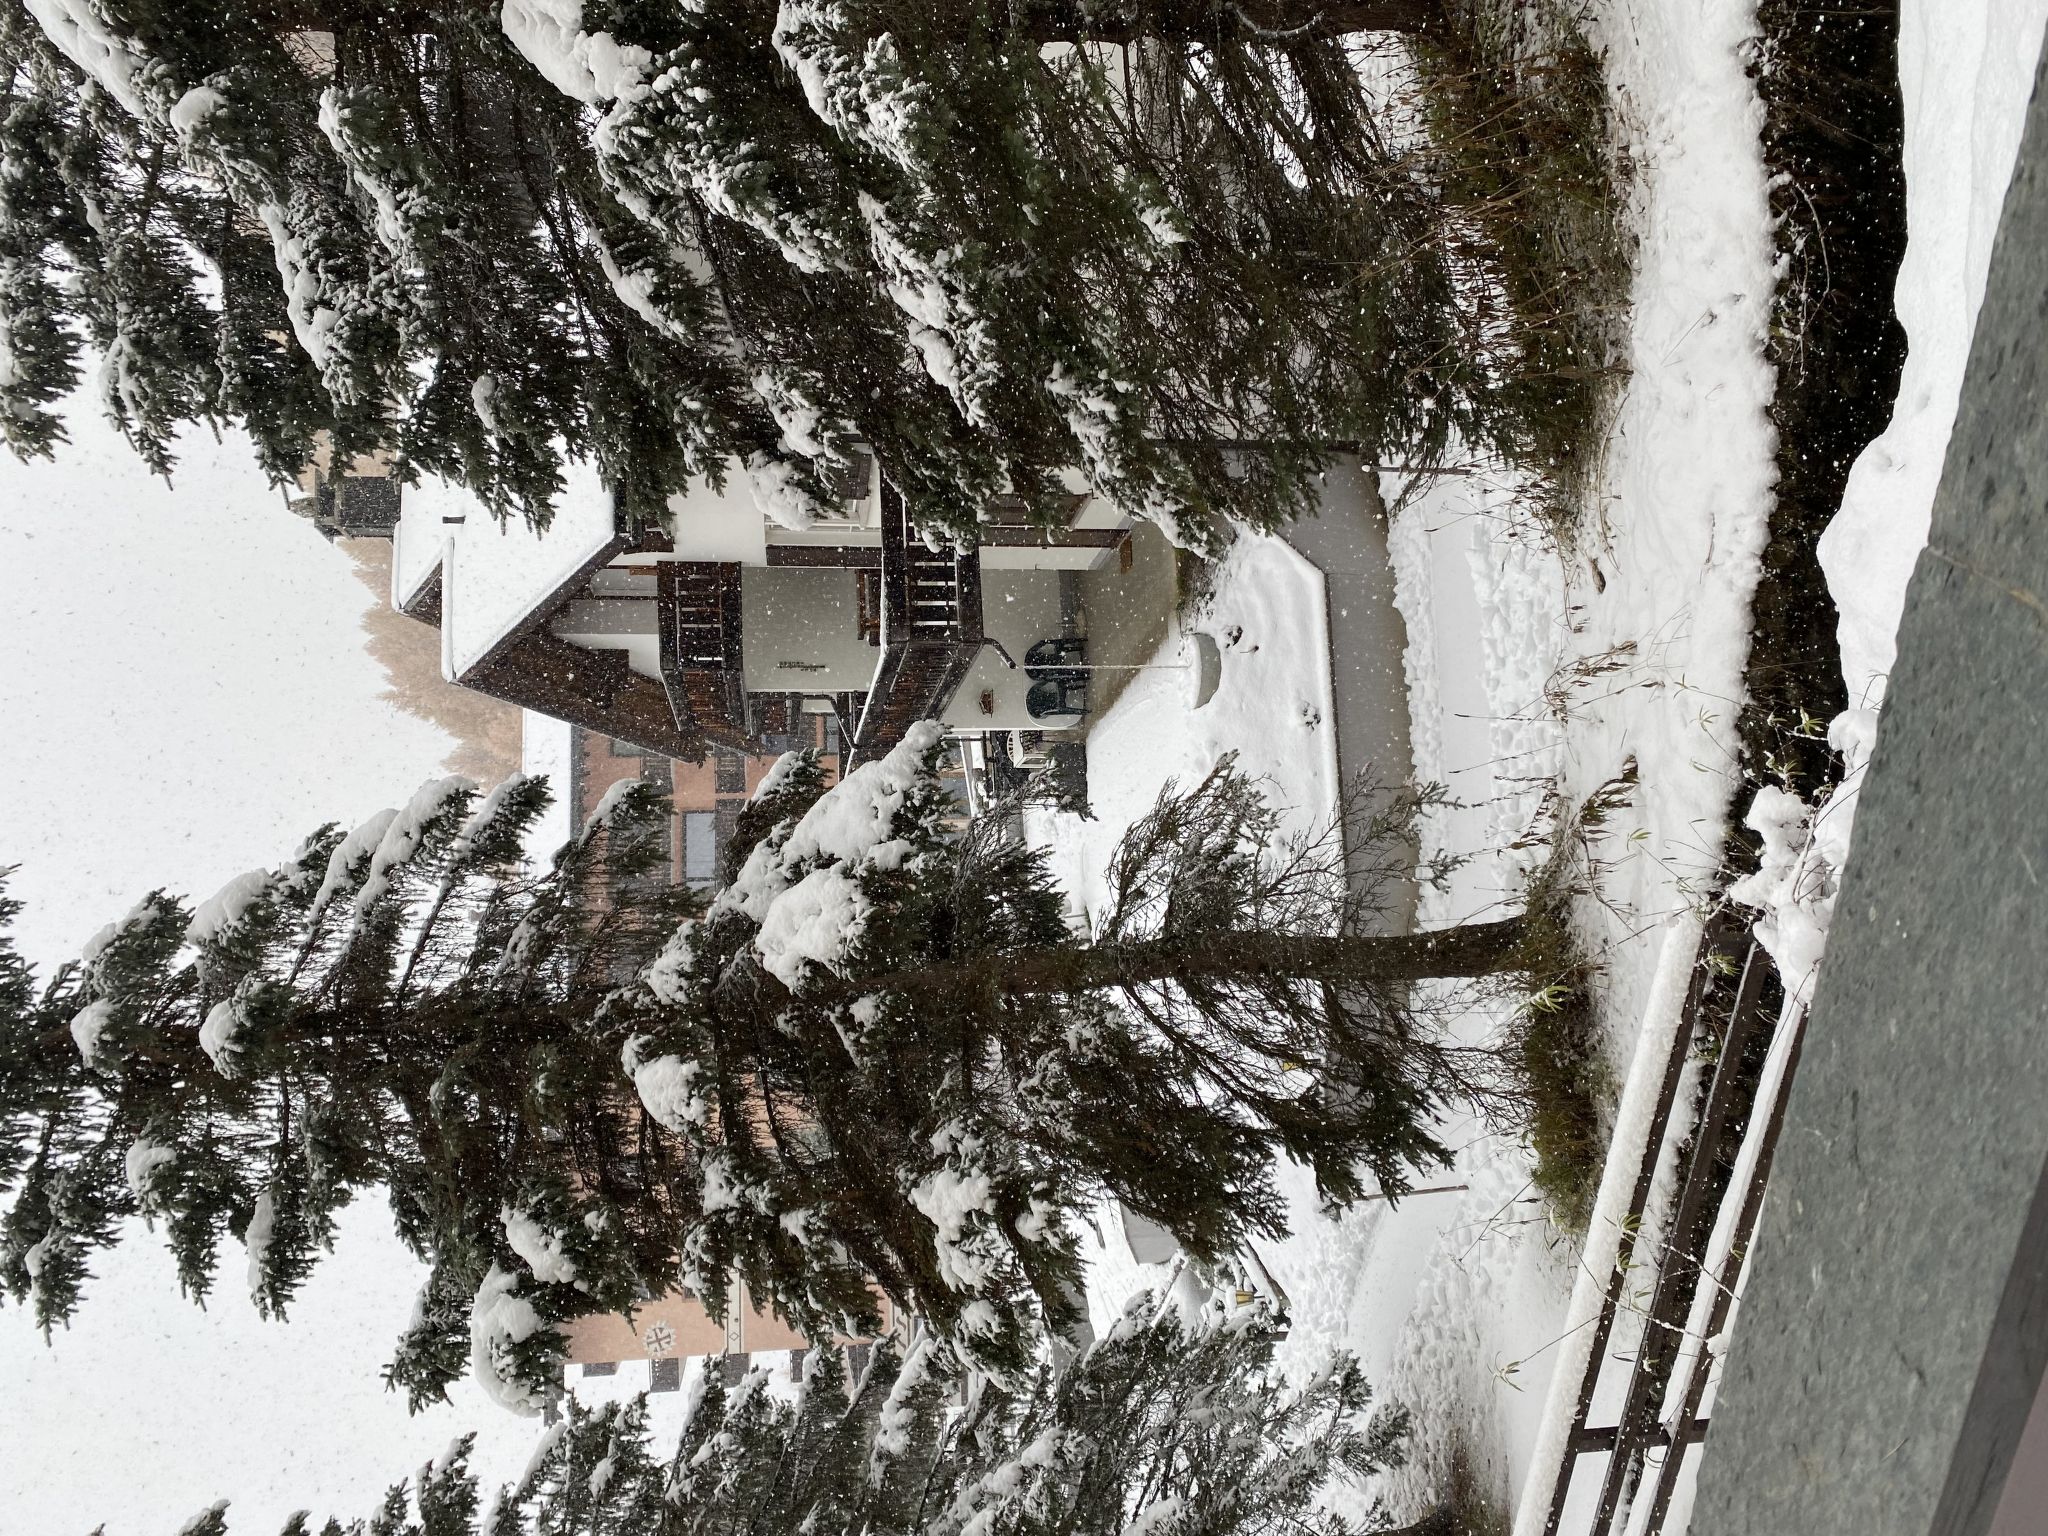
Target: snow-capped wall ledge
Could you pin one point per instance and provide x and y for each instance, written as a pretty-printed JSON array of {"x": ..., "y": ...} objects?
[{"x": 1966, "y": 72}]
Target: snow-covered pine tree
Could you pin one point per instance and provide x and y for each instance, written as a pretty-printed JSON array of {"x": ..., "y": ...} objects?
[
  {"x": 397, "y": 1008},
  {"x": 881, "y": 1058},
  {"x": 1185, "y": 293},
  {"x": 1157, "y": 244},
  {"x": 38, "y": 350},
  {"x": 398, "y": 228},
  {"x": 488, "y": 205},
  {"x": 1160, "y": 1427},
  {"x": 897, "y": 1064},
  {"x": 89, "y": 243},
  {"x": 1164, "y": 1428},
  {"x": 108, "y": 236}
]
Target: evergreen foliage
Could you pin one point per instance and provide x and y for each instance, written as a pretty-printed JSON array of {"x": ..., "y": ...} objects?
[
  {"x": 880, "y": 1060},
  {"x": 399, "y": 1008},
  {"x": 1159, "y": 1427},
  {"x": 896, "y": 1063},
  {"x": 1163, "y": 246}
]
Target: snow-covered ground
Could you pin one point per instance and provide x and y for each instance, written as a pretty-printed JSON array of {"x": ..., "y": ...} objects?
[
  {"x": 1272, "y": 707},
  {"x": 1534, "y": 674}
]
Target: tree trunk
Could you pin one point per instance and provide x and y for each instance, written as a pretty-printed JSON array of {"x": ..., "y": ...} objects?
[
  {"x": 1218, "y": 21},
  {"x": 1472, "y": 949}
]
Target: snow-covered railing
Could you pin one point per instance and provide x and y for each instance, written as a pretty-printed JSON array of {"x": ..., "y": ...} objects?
[
  {"x": 1639, "y": 1126},
  {"x": 1676, "y": 1208}
]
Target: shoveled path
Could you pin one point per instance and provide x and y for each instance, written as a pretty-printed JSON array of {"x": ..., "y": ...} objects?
[{"x": 1348, "y": 544}]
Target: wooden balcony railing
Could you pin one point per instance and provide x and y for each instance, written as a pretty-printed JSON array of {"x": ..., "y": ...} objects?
[
  {"x": 701, "y": 666},
  {"x": 931, "y": 631}
]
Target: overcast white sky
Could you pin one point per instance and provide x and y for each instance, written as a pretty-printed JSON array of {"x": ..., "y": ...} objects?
[{"x": 182, "y": 697}]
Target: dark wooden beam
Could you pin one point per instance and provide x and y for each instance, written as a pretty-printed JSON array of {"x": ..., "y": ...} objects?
[
  {"x": 1605, "y": 1437},
  {"x": 998, "y": 536},
  {"x": 832, "y": 556}
]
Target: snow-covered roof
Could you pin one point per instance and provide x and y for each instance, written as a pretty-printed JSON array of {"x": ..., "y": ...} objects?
[
  {"x": 419, "y": 539},
  {"x": 493, "y": 575}
]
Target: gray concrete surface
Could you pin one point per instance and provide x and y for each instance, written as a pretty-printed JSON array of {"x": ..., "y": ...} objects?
[
  {"x": 1896, "y": 1322},
  {"x": 1348, "y": 543},
  {"x": 1126, "y": 614}
]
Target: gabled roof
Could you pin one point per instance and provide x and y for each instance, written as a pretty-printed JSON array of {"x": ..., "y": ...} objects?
[
  {"x": 419, "y": 539},
  {"x": 491, "y": 589},
  {"x": 496, "y": 578}
]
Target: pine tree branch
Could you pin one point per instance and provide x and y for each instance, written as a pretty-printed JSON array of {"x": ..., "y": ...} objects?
[{"x": 428, "y": 924}]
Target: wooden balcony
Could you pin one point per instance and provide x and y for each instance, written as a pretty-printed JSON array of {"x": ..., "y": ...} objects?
[
  {"x": 931, "y": 631},
  {"x": 701, "y": 667}
]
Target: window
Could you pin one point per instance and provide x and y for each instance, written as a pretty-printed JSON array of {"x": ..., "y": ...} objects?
[
  {"x": 619, "y": 748},
  {"x": 732, "y": 774},
  {"x": 601, "y": 1368},
  {"x": 853, "y": 488},
  {"x": 700, "y": 847},
  {"x": 665, "y": 1374},
  {"x": 654, "y": 770}
]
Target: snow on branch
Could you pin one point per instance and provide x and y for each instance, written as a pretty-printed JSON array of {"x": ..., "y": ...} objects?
[
  {"x": 501, "y": 1321},
  {"x": 407, "y": 834},
  {"x": 592, "y": 67},
  {"x": 226, "y": 908}
]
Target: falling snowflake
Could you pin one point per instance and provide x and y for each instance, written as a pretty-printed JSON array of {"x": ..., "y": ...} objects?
[{"x": 660, "y": 1340}]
